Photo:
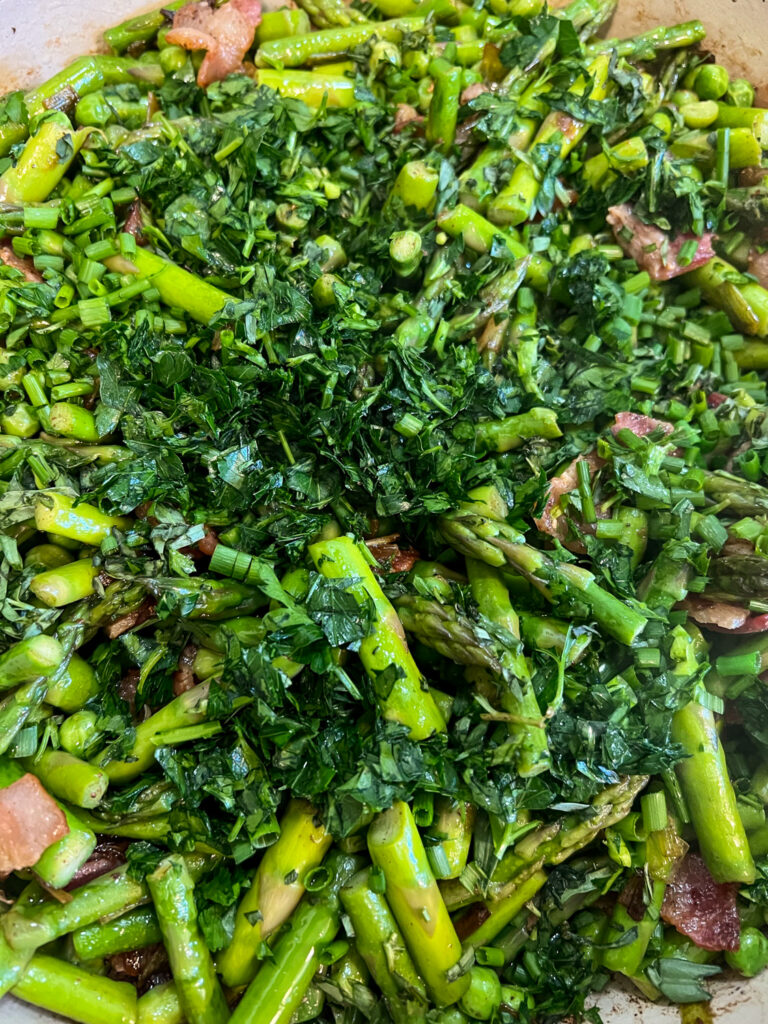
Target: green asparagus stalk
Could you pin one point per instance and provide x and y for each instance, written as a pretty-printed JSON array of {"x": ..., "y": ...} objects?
[
  {"x": 313, "y": 87},
  {"x": 275, "y": 891},
  {"x": 710, "y": 797},
  {"x": 744, "y": 302},
  {"x": 58, "y": 514},
  {"x": 514, "y": 203},
  {"x": 160, "y": 1005},
  {"x": 491, "y": 540},
  {"x": 64, "y": 858},
  {"x": 59, "y": 587},
  {"x": 38, "y": 656},
  {"x": 407, "y": 700},
  {"x": 331, "y": 13},
  {"x": 444, "y": 107},
  {"x": 396, "y": 848},
  {"x": 450, "y": 837},
  {"x": 140, "y": 29},
  {"x": 282, "y": 981},
  {"x": 517, "y": 698},
  {"x": 513, "y": 431},
  {"x": 189, "y": 708},
  {"x": 43, "y": 162},
  {"x": 198, "y": 988},
  {"x": 331, "y": 43},
  {"x": 69, "y": 778},
  {"x": 381, "y": 945},
  {"x": 626, "y": 957},
  {"x": 53, "y": 985},
  {"x": 548, "y": 634},
  {"x": 134, "y": 930},
  {"x": 28, "y": 928},
  {"x": 497, "y": 914},
  {"x": 646, "y": 45},
  {"x": 71, "y": 688}
]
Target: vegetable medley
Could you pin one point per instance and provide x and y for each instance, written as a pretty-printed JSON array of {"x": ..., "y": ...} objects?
[{"x": 383, "y": 517}]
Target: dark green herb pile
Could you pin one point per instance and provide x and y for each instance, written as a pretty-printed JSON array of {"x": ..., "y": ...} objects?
[{"x": 383, "y": 519}]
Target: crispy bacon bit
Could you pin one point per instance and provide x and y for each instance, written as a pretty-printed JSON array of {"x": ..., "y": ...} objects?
[
  {"x": 749, "y": 176},
  {"x": 184, "y": 677},
  {"x": 207, "y": 545},
  {"x": 388, "y": 554},
  {"x": 131, "y": 620},
  {"x": 471, "y": 919},
  {"x": 134, "y": 222},
  {"x": 720, "y": 617},
  {"x": 758, "y": 266},
  {"x": 552, "y": 521},
  {"x": 10, "y": 259},
  {"x": 405, "y": 115},
  {"x": 651, "y": 248},
  {"x": 144, "y": 968},
  {"x": 700, "y": 908},
  {"x": 226, "y": 34},
  {"x": 473, "y": 91},
  {"x": 716, "y": 399},
  {"x": 108, "y": 855},
  {"x": 640, "y": 425},
  {"x": 631, "y": 897},
  {"x": 30, "y": 820}
]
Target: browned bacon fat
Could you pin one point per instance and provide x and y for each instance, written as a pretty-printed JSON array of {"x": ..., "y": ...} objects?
[
  {"x": 226, "y": 34},
  {"x": 652, "y": 249},
  {"x": 701, "y": 908},
  {"x": 30, "y": 820}
]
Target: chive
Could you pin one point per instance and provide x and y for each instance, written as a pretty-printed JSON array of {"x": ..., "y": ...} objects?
[
  {"x": 637, "y": 283},
  {"x": 119, "y": 196},
  {"x": 687, "y": 251},
  {"x": 675, "y": 794},
  {"x": 41, "y": 217},
  {"x": 749, "y": 464},
  {"x": 127, "y": 243},
  {"x": 377, "y": 881},
  {"x": 654, "y": 810},
  {"x": 438, "y": 861},
  {"x": 73, "y": 389},
  {"x": 333, "y": 952},
  {"x": 100, "y": 250},
  {"x": 423, "y": 809},
  {"x": 585, "y": 491},
  {"x": 94, "y": 312},
  {"x": 610, "y": 529},
  {"x": 732, "y": 342},
  {"x": 90, "y": 270},
  {"x": 409, "y": 425},
  {"x": 44, "y": 262},
  {"x": 317, "y": 879},
  {"x": 96, "y": 287},
  {"x": 722, "y": 161},
  {"x": 645, "y": 385},
  {"x": 489, "y": 956},
  {"x": 34, "y": 389},
  {"x": 694, "y": 331},
  {"x": 745, "y": 664},
  {"x": 711, "y": 531},
  {"x": 648, "y": 657}
]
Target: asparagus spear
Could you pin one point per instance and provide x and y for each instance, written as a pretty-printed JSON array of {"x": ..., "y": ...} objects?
[
  {"x": 53, "y": 984},
  {"x": 280, "y": 985},
  {"x": 43, "y": 162},
  {"x": 160, "y": 1005},
  {"x": 134, "y": 930},
  {"x": 139, "y": 29},
  {"x": 407, "y": 700},
  {"x": 450, "y": 837},
  {"x": 646, "y": 45},
  {"x": 331, "y": 13},
  {"x": 380, "y": 943},
  {"x": 475, "y": 534},
  {"x": 395, "y": 846},
  {"x": 69, "y": 778},
  {"x": 38, "y": 656},
  {"x": 520, "y": 700},
  {"x": 198, "y": 988},
  {"x": 275, "y": 891}
]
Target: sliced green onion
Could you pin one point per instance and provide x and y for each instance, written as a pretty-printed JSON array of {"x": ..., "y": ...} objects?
[{"x": 654, "y": 810}]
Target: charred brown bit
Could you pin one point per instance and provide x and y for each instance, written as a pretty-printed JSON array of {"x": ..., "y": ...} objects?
[{"x": 30, "y": 821}]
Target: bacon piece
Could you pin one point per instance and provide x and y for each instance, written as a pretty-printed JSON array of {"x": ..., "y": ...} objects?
[
  {"x": 701, "y": 908},
  {"x": 207, "y": 545},
  {"x": 661, "y": 262},
  {"x": 473, "y": 91},
  {"x": 716, "y": 399},
  {"x": 749, "y": 176},
  {"x": 720, "y": 617},
  {"x": 131, "y": 620},
  {"x": 184, "y": 677},
  {"x": 108, "y": 855},
  {"x": 552, "y": 521},
  {"x": 405, "y": 115},
  {"x": 30, "y": 820},
  {"x": 10, "y": 259},
  {"x": 134, "y": 222},
  {"x": 226, "y": 34},
  {"x": 143, "y": 968},
  {"x": 640, "y": 425},
  {"x": 475, "y": 915}
]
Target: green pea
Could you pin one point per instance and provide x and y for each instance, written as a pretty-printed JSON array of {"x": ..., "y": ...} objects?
[
  {"x": 699, "y": 115},
  {"x": 683, "y": 96},
  {"x": 741, "y": 93},
  {"x": 483, "y": 995},
  {"x": 752, "y": 955},
  {"x": 711, "y": 81}
]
